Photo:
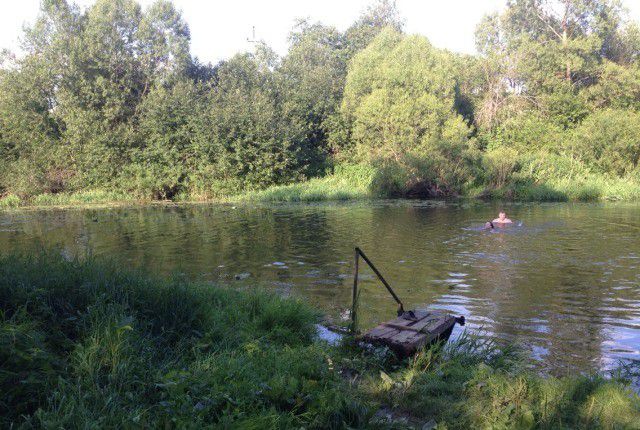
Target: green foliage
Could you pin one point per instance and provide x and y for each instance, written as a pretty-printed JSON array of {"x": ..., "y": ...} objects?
[
  {"x": 475, "y": 383},
  {"x": 87, "y": 344},
  {"x": 526, "y": 133},
  {"x": 250, "y": 137},
  {"x": 400, "y": 104},
  {"x": 499, "y": 166},
  {"x": 609, "y": 142},
  {"x": 110, "y": 100},
  {"x": 399, "y": 97},
  {"x": 312, "y": 78},
  {"x": 379, "y": 15},
  {"x": 10, "y": 201},
  {"x": 544, "y": 176},
  {"x": 618, "y": 87},
  {"x": 27, "y": 364},
  {"x": 170, "y": 118}
]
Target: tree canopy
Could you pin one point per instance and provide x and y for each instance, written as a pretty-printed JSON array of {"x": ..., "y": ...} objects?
[{"x": 111, "y": 97}]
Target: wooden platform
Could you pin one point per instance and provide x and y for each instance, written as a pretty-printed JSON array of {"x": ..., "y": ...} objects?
[{"x": 406, "y": 336}]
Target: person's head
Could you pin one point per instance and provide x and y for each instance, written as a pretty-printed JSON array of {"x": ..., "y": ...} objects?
[
  {"x": 502, "y": 215},
  {"x": 488, "y": 225}
]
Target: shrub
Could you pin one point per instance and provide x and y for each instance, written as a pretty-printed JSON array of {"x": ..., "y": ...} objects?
[
  {"x": 526, "y": 133},
  {"x": 608, "y": 141},
  {"x": 442, "y": 171},
  {"x": 499, "y": 166}
]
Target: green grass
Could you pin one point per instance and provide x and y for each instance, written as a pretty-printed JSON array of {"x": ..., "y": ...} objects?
[
  {"x": 80, "y": 198},
  {"x": 89, "y": 345},
  {"x": 474, "y": 383},
  {"x": 357, "y": 182},
  {"x": 89, "y": 197},
  {"x": 348, "y": 182},
  {"x": 592, "y": 188},
  {"x": 10, "y": 201}
]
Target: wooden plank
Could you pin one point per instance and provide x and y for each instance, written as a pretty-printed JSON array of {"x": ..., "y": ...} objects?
[
  {"x": 384, "y": 328},
  {"x": 419, "y": 313},
  {"x": 406, "y": 336},
  {"x": 429, "y": 331}
]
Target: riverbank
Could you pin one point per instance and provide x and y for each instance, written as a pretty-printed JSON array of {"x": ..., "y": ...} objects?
[
  {"x": 359, "y": 182},
  {"x": 84, "y": 343}
]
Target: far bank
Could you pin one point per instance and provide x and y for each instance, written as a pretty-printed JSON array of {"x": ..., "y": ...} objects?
[{"x": 361, "y": 182}]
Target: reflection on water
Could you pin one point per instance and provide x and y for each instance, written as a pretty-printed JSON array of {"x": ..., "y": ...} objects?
[{"x": 565, "y": 283}]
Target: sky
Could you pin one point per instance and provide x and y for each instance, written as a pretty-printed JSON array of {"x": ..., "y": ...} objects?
[{"x": 220, "y": 28}]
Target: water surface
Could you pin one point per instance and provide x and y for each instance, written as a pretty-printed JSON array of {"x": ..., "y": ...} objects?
[{"x": 565, "y": 283}]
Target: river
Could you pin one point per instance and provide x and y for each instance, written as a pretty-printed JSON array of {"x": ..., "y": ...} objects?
[{"x": 563, "y": 282}]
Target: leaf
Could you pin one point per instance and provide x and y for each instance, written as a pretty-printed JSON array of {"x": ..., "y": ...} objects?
[{"x": 386, "y": 378}]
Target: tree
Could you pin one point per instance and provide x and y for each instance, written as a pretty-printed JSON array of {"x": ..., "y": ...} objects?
[
  {"x": 31, "y": 161},
  {"x": 400, "y": 97},
  {"x": 247, "y": 128},
  {"x": 400, "y": 103},
  {"x": 608, "y": 141},
  {"x": 540, "y": 54},
  {"x": 618, "y": 87},
  {"x": 169, "y": 151},
  {"x": 312, "y": 78},
  {"x": 379, "y": 15}
]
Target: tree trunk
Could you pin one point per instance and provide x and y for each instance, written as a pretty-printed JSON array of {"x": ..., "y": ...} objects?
[{"x": 565, "y": 40}]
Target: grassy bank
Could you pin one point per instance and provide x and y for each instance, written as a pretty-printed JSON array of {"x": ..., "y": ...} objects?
[
  {"x": 590, "y": 189},
  {"x": 346, "y": 183},
  {"x": 357, "y": 182},
  {"x": 85, "y": 345},
  {"x": 81, "y": 198}
]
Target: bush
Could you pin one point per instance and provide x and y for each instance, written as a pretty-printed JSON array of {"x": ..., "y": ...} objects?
[
  {"x": 608, "y": 141},
  {"x": 443, "y": 170},
  {"x": 38, "y": 174},
  {"x": 499, "y": 166},
  {"x": 526, "y": 133}
]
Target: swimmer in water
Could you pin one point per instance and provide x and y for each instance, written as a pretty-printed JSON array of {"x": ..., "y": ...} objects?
[{"x": 502, "y": 219}]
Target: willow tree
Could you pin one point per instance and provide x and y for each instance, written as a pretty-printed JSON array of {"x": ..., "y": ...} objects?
[
  {"x": 400, "y": 97},
  {"x": 400, "y": 102}
]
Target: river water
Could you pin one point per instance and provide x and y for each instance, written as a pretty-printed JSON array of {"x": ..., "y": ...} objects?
[{"x": 563, "y": 282}]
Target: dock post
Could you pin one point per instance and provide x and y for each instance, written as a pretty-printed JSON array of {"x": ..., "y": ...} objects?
[{"x": 354, "y": 300}]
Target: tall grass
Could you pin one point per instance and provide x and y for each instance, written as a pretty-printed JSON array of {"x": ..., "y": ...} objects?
[
  {"x": 592, "y": 188},
  {"x": 476, "y": 383},
  {"x": 348, "y": 182},
  {"x": 10, "y": 201},
  {"x": 87, "y": 197},
  {"x": 499, "y": 180},
  {"x": 88, "y": 345}
]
